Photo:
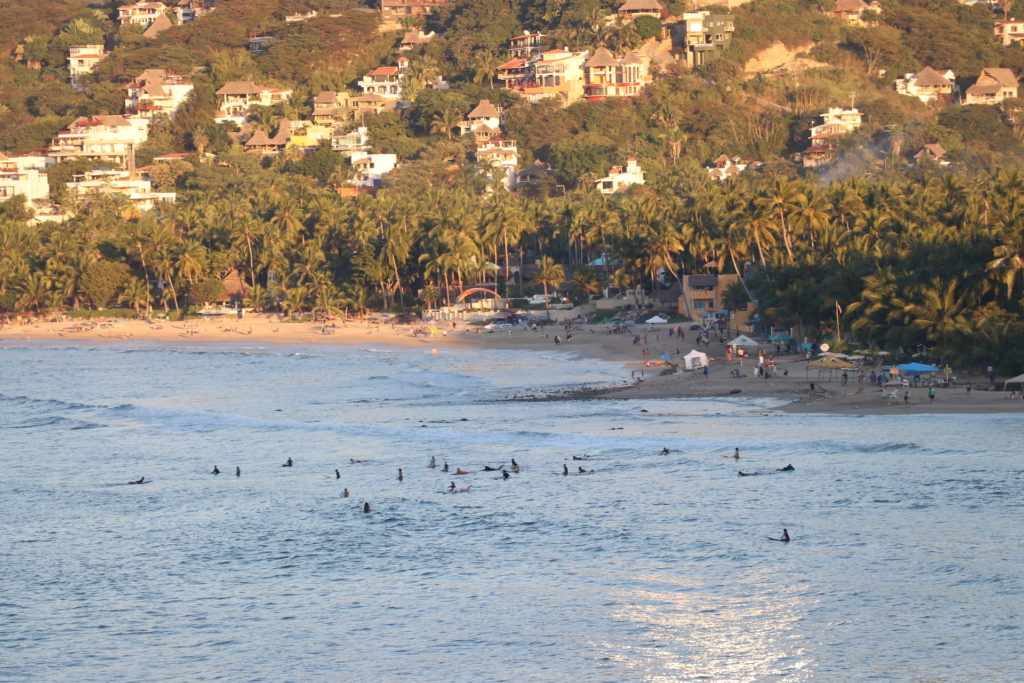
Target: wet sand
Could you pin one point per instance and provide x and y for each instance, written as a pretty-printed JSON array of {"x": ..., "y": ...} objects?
[{"x": 641, "y": 371}]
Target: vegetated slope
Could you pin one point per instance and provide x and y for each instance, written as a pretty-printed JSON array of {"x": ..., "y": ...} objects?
[{"x": 20, "y": 18}]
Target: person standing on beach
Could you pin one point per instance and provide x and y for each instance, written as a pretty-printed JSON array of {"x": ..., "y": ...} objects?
[
  {"x": 931, "y": 394},
  {"x": 906, "y": 398}
]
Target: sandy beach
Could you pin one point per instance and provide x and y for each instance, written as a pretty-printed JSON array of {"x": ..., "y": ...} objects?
[{"x": 642, "y": 378}]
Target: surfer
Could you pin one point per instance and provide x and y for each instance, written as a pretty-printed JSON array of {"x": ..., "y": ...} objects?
[
  {"x": 451, "y": 486},
  {"x": 238, "y": 471},
  {"x": 488, "y": 468},
  {"x": 664, "y": 451},
  {"x": 787, "y": 468},
  {"x": 583, "y": 471},
  {"x": 344, "y": 493},
  {"x": 784, "y": 537},
  {"x": 506, "y": 475},
  {"x": 354, "y": 461},
  {"x": 565, "y": 470},
  {"x": 366, "y": 508},
  {"x": 140, "y": 480},
  {"x": 216, "y": 470},
  {"x": 433, "y": 462},
  {"x": 581, "y": 457},
  {"x": 515, "y": 465},
  {"x": 337, "y": 474},
  {"x": 747, "y": 474},
  {"x": 736, "y": 454},
  {"x": 288, "y": 463},
  {"x": 445, "y": 468},
  {"x": 459, "y": 470},
  {"x": 401, "y": 477}
]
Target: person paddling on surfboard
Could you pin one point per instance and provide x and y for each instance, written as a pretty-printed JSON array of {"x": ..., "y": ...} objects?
[
  {"x": 784, "y": 537},
  {"x": 140, "y": 480},
  {"x": 787, "y": 468}
]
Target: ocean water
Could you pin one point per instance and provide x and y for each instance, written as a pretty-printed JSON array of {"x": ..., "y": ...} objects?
[{"x": 906, "y": 561}]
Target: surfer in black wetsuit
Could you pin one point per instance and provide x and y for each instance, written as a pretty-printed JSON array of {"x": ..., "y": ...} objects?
[
  {"x": 288, "y": 463},
  {"x": 583, "y": 471},
  {"x": 488, "y": 468},
  {"x": 445, "y": 468},
  {"x": 216, "y": 470},
  {"x": 787, "y": 468},
  {"x": 506, "y": 475},
  {"x": 366, "y": 508},
  {"x": 238, "y": 471},
  {"x": 565, "y": 469},
  {"x": 337, "y": 474},
  {"x": 747, "y": 474},
  {"x": 664, "y": 451},
  {"x": 140, "y": 480},
  {"x": 515, "y": 465},
  {"x": 451, "y": 486},
  {"x": 401, "y": 477},
  {"x": 784, "y": 537}
]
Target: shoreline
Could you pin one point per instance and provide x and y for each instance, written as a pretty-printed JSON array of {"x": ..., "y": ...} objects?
[{"x": 644, "y": 381}]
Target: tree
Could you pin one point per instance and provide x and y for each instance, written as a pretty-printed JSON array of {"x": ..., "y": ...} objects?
[
  {"x": 549, "y": 274},
  {"x": 647, "y": 27},
  {"x": 102, "y": 280}
]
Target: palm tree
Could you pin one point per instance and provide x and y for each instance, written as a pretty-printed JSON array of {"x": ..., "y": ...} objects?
[
  {"x": 549, "y": 274},
  {"x": 135, "y": 294},
  {"x": 446, "y": 120}
]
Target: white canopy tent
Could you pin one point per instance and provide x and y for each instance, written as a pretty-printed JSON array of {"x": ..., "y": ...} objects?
[
  {"x": 743, "y": 341},
  {"x": 1019, "y": 379},
  {"x": 656, "y": 319},
  {"x": 695, "y": 360}
]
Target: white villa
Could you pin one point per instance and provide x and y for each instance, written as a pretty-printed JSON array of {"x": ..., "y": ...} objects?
[
  {"x": 928, "y": 85},
  {"x": 385, "y": 81},
  {"x": 237, "y": 96},
  {"x": 836, "y": 122},
  {"x": 108, "y": 181},
  {"x": 156, "y": 91},
  {"x": 25, "y": 175},
  {"x": 82, "y": 59},
  {"x": 104, "y": 137},
  {"x": 619, "y": 178},
  {"x": 140, "y": 13},
  {"x": 371, "y": 169}
]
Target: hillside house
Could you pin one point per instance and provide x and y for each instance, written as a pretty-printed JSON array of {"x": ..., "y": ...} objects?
[
  {"x": 369, "y": 105},
  {"x": 525, "y": 46},
  {"x": 108, "y": 181},
  {"x": 413, "y": 39},
  {"x": 1009, "y": 31},
  {"x": 237, "y": 96},
  {"x": 725, "y": 167},
  {"x": 631, "y": 9},
  {"x": 330, "y": 106},
  {"x": 483, "y": 116},
  {"x": 928, "y": 85},
  {"x": 619, "y": 178},
  {"x": 852, "y": 11},
  {"x": 25, "y": 175},
  {"x": 605, "y": 75},
  {"x": 351, "y": 143},
  {"x": 156, "y": 91},
  {"x": 82, "y": 59},
  {"x": 702, "y": 36},
  {"x": 371, "y": 169},
  {"x": 500, "y": 153},
  {"x": 932, "y": 154},
  {"x": 190, "y": 10},
  {"x": 261, "y": 143},
  {"x": 549, "y": 74},
  {"x": 140, "y": 13},
  {"x": 410, "y": 8},
  {"x": 385, "y": 81},
  {"x": 836, "y": 122},
  {"x": 992, "y": 87},
  {"x": 104, "y": 137},
  {"x": 260, "y": 42},
  {"x": 159, "y": 25}
]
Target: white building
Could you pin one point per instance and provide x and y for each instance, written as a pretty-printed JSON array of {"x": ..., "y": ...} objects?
[
  {"x": 928, "y": 84},
  {"x": 619, "y": 178},
  {"x": 25, "y": 175},
  {"x": 109, "y": 137},
  {"x": 500, "y": 153},
  {"x": 371, "y": 169},
  {"x": 82, "y": 59},
  {"x": 190, "y": 10},
  {"x": 837, "y": 122},
  {"x": 385, "y": 81},
  {"x": 355, "y": 142},
  {"x": 140, "y": 13},
  {"x": 550, "y": 74},
  {"x": 484, "y": 116},
  {"x": 156, "y": 91},
  {"x": 725, "y": 167},
  {"x": 108, "y": 181}
]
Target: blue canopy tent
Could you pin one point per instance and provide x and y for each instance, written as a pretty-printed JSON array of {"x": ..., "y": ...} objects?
[{"x": 913, "y": 369}]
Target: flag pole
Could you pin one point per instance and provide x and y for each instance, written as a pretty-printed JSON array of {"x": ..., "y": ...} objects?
[{"x": 838, "y": 335}]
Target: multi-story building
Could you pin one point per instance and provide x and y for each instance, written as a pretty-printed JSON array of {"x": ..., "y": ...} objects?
[
  {"x": 330, "y": 106},
  {"x": 702, "y": 36},
  {"x": 82, "y": 59},
  {"x": 484, "y": 115},
  {"x": 237, "y": 96},
  {"x": 190, "y": 10},
  {"x": 525, "y": 46},
  {"x": 725, "y": 167},
  {"x": 992, "y": 87},
  {"x": 140, "y": 13},
  {"x": 156, "y": 91},
  {"x": 836, "y": 122},
  {"x": 110, "y": 138},
  {"x": 1009, "y": 31},
  {"x": 351, "y": 143},
  {"x": 385, "y": 81},
  {"x": 107, "y": 181},
  {"x": 25, "y": 175},
  {"x": 500, "y": 153},
  {"x": 605, "y": 75},
  {"x": 852, "y": 11},
  {"x": 371, "y": 169},
  {"x": 549, "y": 74},
  {"x": 413, "y": 39},
  {"x": 928, "y": 85},
  {"x": 619, "y": 178},
  {"x": 260, "y": 42}
]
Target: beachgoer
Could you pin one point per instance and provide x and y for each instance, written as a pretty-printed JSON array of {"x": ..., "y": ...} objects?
[
  {"x": 366, "y": 508},
  {"x": 238, "y": 471},
  {"x": 337, "y": 474},
  {"x": 400, "y": 475},
  {"x": 433, "y": 462},
  {"x": 931, "y": 394},
  {"x": 216, "y": 470},
  {"x": 445, "y": 468},
  {"x": 565, "y": 469},
  {"x": 787, "y": 468},
  {"x": 906, "y": 398},
  {"x": 736, "y": 454},
  {"x": 506, "y": 475},
  {"x": 288, "y": 463},
  {"x": 344, "y": 493}
]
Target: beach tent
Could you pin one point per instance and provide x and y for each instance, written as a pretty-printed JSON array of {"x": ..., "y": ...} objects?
[
  {"x": 781, "y": 337},
  {"x": 666, "y": 356},
  {"x": 916, "y": 368},
  {"x": 695, "y": 360},
  {"x": 743, "y": 340},
  {"x": 1019, "y": 379},
  {"x": 829, "y": 362},
  {"x": 656, "y": 319}
]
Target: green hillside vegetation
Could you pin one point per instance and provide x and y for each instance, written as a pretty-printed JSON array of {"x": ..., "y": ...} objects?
[{"x": 918, "y": 256}]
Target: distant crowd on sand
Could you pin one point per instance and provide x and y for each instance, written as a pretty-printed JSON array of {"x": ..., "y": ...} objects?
[{"x": 502, "y": 471}]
